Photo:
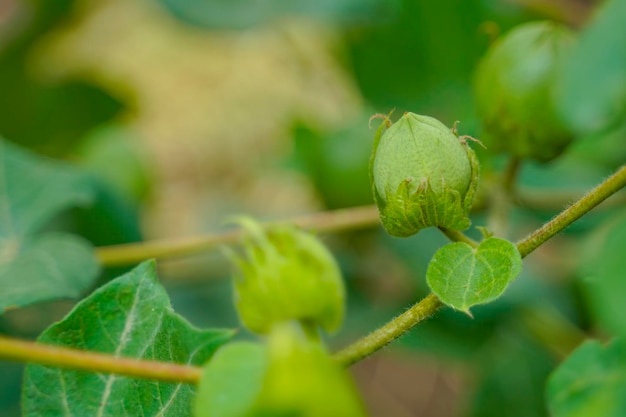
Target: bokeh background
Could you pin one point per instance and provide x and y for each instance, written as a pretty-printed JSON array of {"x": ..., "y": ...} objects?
[{"x": 193, "y": 111}]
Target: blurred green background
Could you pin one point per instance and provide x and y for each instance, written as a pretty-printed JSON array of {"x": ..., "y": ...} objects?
[{"x": 191, "y": 111}]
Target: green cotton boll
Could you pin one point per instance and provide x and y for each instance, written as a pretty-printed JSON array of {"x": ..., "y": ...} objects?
[
  {"x": 423, "y": 175},
  {"x": 514, "y": 89},
  {"x": 303, "y": 380},
  {"x": 287, "y": 274}
]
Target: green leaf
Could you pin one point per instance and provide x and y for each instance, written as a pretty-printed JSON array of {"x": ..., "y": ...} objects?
[
  {"x": 603, "y": 274},
  {"x": 40, "y": 267},
  {"x": 326, "y": 389},
  {"x": 130, "y": 316},
  {"x": 592, "y": 92},
  {"x": 55, "y": 265},
  {"x": 463, "y": 276},
  {"x": 510, "y": 373},
  {"x": 34, "y": 189},
  {"x": 590, "y": 382},
  {"x": 231, "y": 381}
]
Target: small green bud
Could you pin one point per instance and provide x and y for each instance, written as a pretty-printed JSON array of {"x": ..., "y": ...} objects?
[
  {"x": 514, "y": 91},
  {"x": 302, "y": 380},
  {"x": 422, "y": 176},
  {"x": 287, "y": 274}
]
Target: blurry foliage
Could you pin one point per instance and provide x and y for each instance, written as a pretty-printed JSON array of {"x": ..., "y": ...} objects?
[
  {"x": 414, "y": 55},
  {"x": 50, "y": 118},
  {"x": 337, "y": 161},
  {"x": 592, "y": 88},
  {"x": 241, "y": 14}
]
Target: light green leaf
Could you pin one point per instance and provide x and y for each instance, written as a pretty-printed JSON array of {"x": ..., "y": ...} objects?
[
  {"x": 47, "y": 266},
  {"x": 591, "y": 94},
  {"x": 463, "y": 276},
  {"x": 590, "y": 382},
  {"x": 303, "y": 380},
  {"x": 231, "y": 381},
  {"x": 130, "y": 316}
]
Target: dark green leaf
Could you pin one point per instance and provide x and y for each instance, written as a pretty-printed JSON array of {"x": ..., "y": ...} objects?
[
  {"x": 47, "y": 266},
  {"x": 337, "y": 162},
  {"x": 591, "y": 382},
  {"x": 510, "y": 373},
  {"x": 603, "y": 275},
  {"x": 130, "y": 316},
  {"x": 462, "y": 276},
  {"x": 231, "y": 381}
]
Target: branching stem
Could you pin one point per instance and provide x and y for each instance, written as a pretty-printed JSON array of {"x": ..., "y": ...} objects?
[
  {"x": 24, "y": 351},
  {"x": 429, "y": 305}
]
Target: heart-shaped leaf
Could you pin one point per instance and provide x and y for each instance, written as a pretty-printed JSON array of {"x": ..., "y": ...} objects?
[{"x": 463, "y": 276}]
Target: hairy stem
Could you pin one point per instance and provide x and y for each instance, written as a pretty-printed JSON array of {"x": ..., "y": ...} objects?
[
  {"x": 389, "y": 332},
  {"x": 62, "y": 357},
  {"x": 590, "y": 200},
  {"x": 343, "y": 219},
  {"x": 429, "y": 305},
  {"x": 456, "y": 236}
]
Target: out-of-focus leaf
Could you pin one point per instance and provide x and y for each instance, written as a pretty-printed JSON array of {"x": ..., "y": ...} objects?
[
  {"x": 337, "y": 162},
  {"x": 327, "y": 390},
  {"x": 34, "y": 189},
  {"x": 239, "y": 14},
  {"x": 46, "y": 266},
  {"x": 590, "y": 382},
  {"x": 512, "y": 372},
  {"x": 462, "y": 276},
  {"x": 603, "y": 274},
  {"x": 427, "y": 52},
  {"x": 591, "y": 95},
  {"x": 231, "y": 381},
  {"x": 129, "y": 174},
  {"x": 130, "y": 316},
  {"x": 50, "y": 118}
]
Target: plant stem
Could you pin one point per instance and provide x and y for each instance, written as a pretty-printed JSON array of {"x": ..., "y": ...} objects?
[
  {"x": 429, "y": 305},
  {"x": 456, "y": 236},
  {"x": 590, "y": 200},
  {"x": 62, "y": 357},
  {"x": 342, "y": 219},
  {"x": 389, "y": 332}
]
